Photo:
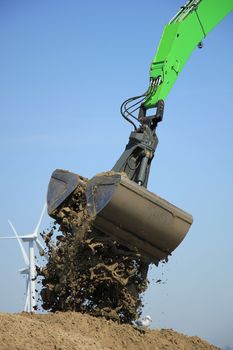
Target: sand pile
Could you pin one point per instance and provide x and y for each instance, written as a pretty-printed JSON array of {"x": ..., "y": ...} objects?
[
  {"x": 74, "y": 331},
  {"x": 88, "y": 271}
]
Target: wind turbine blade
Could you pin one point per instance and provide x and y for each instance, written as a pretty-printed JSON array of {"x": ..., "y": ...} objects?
[
  {"x": 40, "y": 219},
  {"x": 39, "y": 245},
  {"x": 41, "y": 248},
  {"x": 20, "y": 244},
  {"x": 21, "y": 237},
  {"x": 8, "y": 237},
  {"x": 24, "y": 271}
]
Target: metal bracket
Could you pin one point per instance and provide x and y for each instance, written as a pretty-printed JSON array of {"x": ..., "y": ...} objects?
[
  {"x": 152, "y": 120},
  {"x": 135, "y": 161}
]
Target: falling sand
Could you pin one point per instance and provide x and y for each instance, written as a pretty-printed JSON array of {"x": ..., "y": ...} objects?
[{"x": 87, "y": 271}]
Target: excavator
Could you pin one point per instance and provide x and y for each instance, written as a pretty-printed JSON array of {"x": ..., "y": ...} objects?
[{"x": 118, "y": 201}]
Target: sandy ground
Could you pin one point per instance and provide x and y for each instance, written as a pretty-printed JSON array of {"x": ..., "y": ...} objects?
[{"x": 74, "y": 331}]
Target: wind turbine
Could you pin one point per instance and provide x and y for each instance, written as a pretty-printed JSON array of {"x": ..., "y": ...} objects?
[{"x": 30, "y": 269}]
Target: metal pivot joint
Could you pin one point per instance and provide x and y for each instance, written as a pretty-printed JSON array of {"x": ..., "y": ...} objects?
[
  {"x": 152, "y": 120},
  {"x": 135, "y": 161},
  {"x": 139, "y": 152}
]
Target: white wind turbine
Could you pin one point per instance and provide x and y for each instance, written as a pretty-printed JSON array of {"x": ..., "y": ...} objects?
[{"x": 30, "y": 269}]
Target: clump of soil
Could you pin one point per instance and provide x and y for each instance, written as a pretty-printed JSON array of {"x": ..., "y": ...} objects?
[
  {"x": 87, "y": 271},
  {"x": 73, "y": 331}
]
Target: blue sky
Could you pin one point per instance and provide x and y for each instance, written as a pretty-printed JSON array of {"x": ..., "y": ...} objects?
[{"x": 66, "y": 66}]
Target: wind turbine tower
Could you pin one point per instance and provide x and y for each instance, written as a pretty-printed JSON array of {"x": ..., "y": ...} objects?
[{"x": 30, "y": 269}]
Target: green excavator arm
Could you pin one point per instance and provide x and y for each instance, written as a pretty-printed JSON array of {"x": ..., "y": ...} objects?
[
  {"x": 118, "y": 201},
  {"x": 180, "y": 37}
]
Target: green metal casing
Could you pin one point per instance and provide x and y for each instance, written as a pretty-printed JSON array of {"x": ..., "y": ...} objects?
[{"x": 180, "y": 37}]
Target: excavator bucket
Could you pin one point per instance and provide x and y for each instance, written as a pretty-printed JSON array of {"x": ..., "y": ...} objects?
[{"x": 127, "y": 212}]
